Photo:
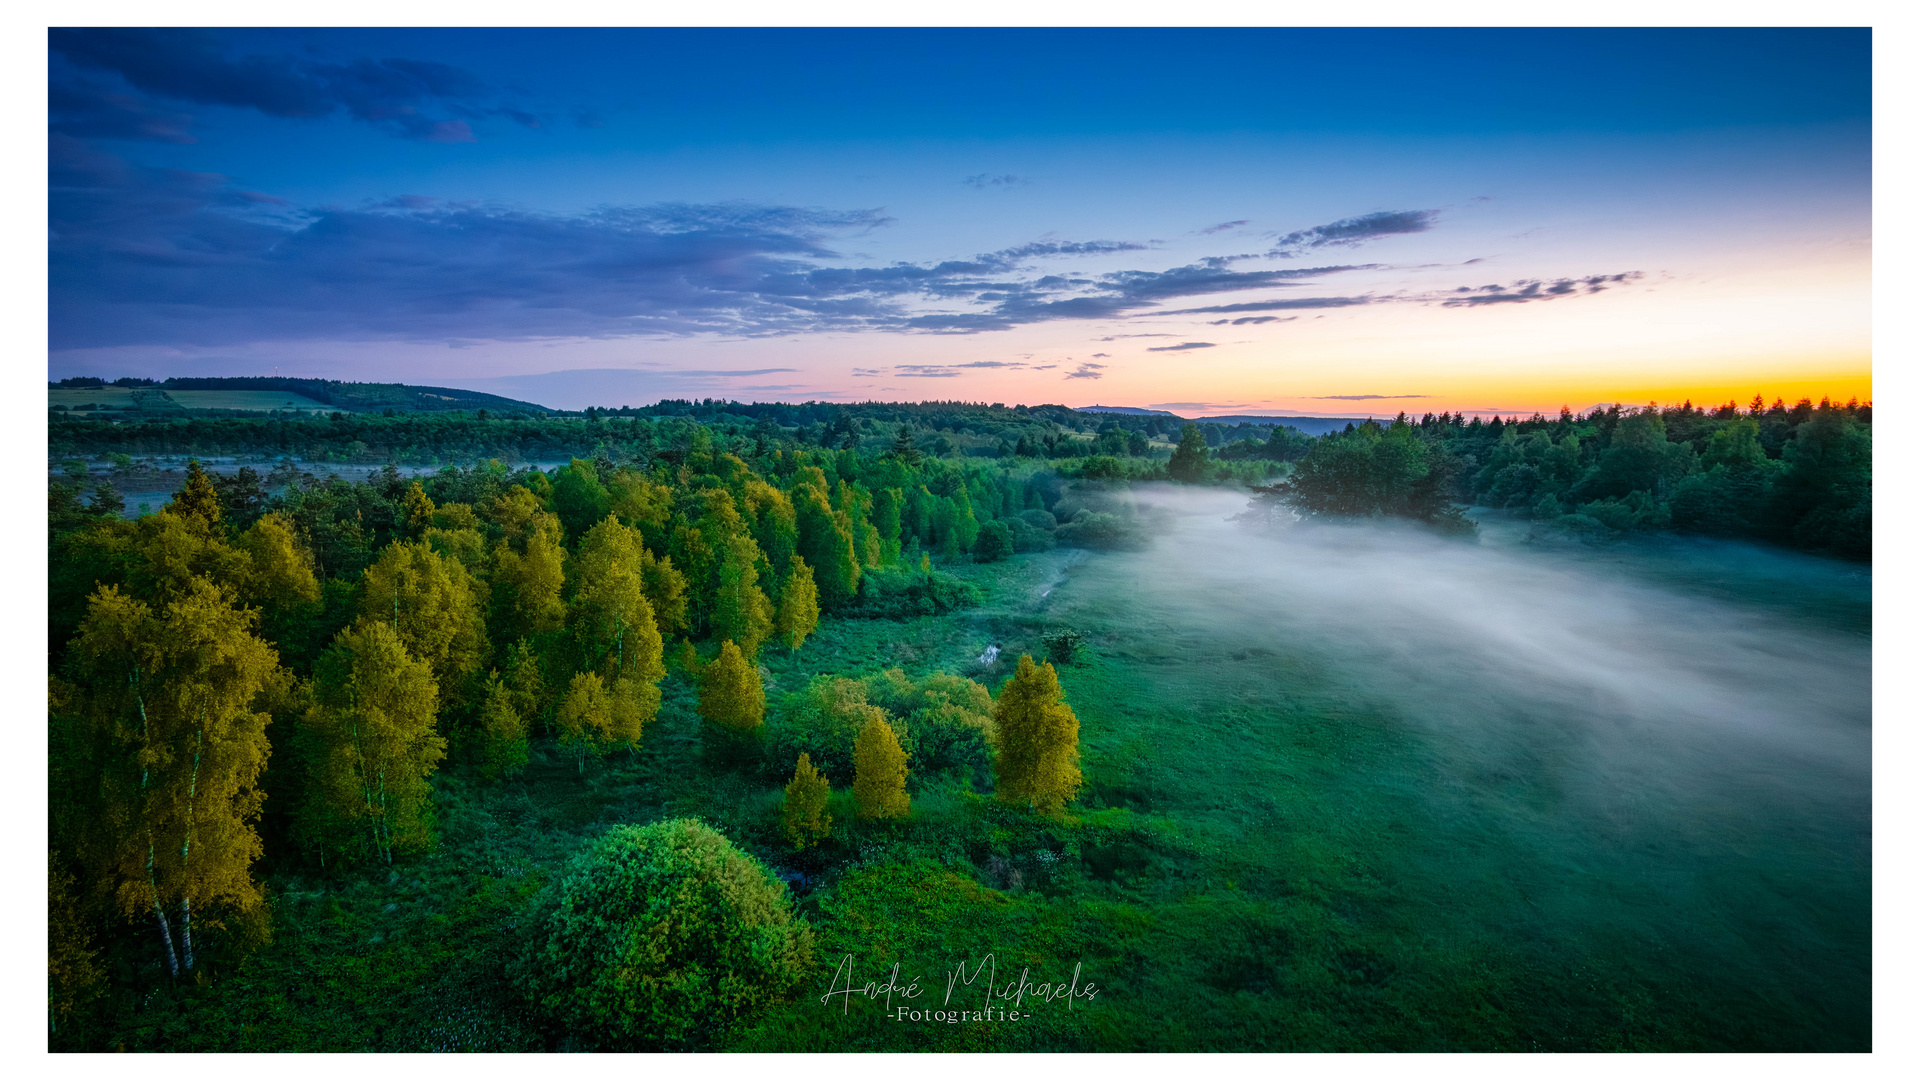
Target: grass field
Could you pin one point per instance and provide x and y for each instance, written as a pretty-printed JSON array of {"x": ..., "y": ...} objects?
[
  {"x": 120, "y": 397},
  {"x": 1287, "y": 841}
]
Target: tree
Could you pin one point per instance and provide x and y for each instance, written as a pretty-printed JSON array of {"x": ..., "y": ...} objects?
[
  {"x": 662, "y": 936},
  {"x": 198, "y": 501},
  {"x": 375, "y": 718},
  {"x": 585, "y": 717},
  {"x": 879, "y": 771},
  {"x": 579, "y": 498},
  {"x": 803, "y": 815},
  {"x": 614, "y": 632},
  {"x": 418, "y": 509},
  {"x": 503, "y": 729},
  {"x": 826, "y": 545},
  {"x": 74, "y": 975},
  {"x": 527, "y": 583},
  {"x": 430, "y": 603},
  {"x": 995, "y": 542},
  {"x": 730, "y": 691},
  {"x": 799, "y": 609},
  {"x": 172, "y": 695},
  {"x": 741, "y": 612},
  {"x": 1039, "y": 740},
  {"x": 1189, "y": 462}
]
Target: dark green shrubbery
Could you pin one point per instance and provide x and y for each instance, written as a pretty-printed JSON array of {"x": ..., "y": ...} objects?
[
  {"x": 994, "y": 543},
  {"x": 944, "y": 722},
  {"x": 662, "y": 937},
  {"x": 902, "y": 592}
]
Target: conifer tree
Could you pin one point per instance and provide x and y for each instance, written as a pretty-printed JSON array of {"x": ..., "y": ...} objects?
[
  {"x": 1189, "y": 462},
  {"x": 799, "y": 604},
  {"x": 879, "y": 771},
  {"x": 803, "y": 815},
  {"x": 731, "y": 694},
  {"x": 418, "y": 508},
  {"x": 375, "y": 717},
  {"x": 198, "y": 501},
  {"x": 1038, "y": 756},
  {"x": 741, "y": 612}
]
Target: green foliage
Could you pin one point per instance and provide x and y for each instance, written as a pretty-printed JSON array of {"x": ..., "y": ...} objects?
[
  {"x": 898, "y": 592},
  {"x": 995, "y": 542},
  {"x": 1038, "y": 759},
  {"x": 803, "y": 809},
  {"x": 730, "y": 691},
  {"x": 1063, "y": 645},
  {"x": 1189, "y": 462},
  {"x": 880, "y": 771},
  {"x": 799, "y": 610},
  {"x": 662, "y": 937}
]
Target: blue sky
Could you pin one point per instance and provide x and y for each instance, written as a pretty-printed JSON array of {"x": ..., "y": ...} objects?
[{"x": 1277, "y": 220}]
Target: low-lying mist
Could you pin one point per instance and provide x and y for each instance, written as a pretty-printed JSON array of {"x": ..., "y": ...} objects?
[{"x": 1664, "y": 746}]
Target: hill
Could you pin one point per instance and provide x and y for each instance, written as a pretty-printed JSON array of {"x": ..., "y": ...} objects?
[{"x": 271, "y": 394}]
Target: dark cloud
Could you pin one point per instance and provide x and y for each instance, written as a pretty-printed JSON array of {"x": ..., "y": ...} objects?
[
  {"x": 1085, "y": 371},
  {"x": 1521, "y": 292},
  {"x": 1223, "y": 227},
  {"x": 418, "y": 99},
  {"x": 1253, "y": 320},
  {"x": 1367, "y": 397},
  {"x": 147, "y": 256},
  {"x": 1099, "y": 355},
  {"x": 1275, "y": 305},
  {"x": 987, "y": 180},
  {"x": 1184, "y": 346},
  {"x": 1354, "y": 231}
]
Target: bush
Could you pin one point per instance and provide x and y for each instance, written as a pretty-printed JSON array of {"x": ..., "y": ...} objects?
[
  {"x": 1101, "y": 531},
  {"x": 900, "y": 592},
  {"x": 1026, "y": 538},
  {"x": 994, "y": 543},
  {"x": 662, "y": 937},
  {"x": 1063, "y": 645}
]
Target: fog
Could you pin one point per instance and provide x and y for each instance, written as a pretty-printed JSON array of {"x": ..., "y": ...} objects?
[
  {"x": 1666, "y": 744},
  {"x": 1638, "y": 650}
]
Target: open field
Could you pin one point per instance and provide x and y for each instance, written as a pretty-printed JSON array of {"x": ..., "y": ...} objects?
[{"x": 120, "y": 397}]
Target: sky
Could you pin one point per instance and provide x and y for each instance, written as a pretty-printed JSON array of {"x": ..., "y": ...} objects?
[{"x": 1308, "y": 221}]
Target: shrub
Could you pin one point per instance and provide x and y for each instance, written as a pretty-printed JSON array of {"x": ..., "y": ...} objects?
[
  {"x": 1063, "y": 645},
  {"x": 899, "y": 592},
  {"x": 994, "y": 543},
  {"x": 1101, "y": 531},
  {"x": 662, "y": 937}
]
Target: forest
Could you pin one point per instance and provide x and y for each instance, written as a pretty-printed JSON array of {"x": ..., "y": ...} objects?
[{"x": 405, "y": 763}]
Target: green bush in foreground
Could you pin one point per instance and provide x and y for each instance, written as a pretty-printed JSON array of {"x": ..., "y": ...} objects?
[{"x": 662, "y": 936}]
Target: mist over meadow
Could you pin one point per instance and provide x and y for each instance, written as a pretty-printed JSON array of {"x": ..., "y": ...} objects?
[{"x": 1658, "y": 753}]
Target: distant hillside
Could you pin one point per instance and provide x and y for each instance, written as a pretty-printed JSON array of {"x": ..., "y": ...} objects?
[
  {"x": 1305, "y": 425},
  {"x": 266, "y": 393},
  {"x": 1125, "y": 410}
]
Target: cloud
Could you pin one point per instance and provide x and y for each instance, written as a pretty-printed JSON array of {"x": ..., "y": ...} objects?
[
  {"x": 1223, "y": 227},
  {"x": 1085, "y": 371},
  {"x": 1275, "y": 305},
  {"x": 987, "y": 180},
  {"x": 1183, "y": 346},
  {"x": 191, "y": 65},
  {"x": 1353, "y": 231},
  {"x": 171, "y": 258},
  {"x": 1367, "y": 397},
  {"x": 1253, "y": 320},
  {"x": 1521, "y": 292},
  {"x": 1099, "y": 355}
]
